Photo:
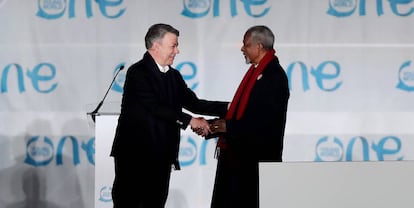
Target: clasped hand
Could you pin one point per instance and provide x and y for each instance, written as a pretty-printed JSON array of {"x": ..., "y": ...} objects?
[
  {"x": 218, "y": 126},
  {"x": 203, "y": 127},
  {"x": 200, "y": 126}
]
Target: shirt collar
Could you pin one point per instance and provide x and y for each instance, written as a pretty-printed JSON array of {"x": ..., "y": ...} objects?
[{"x": 163, "y": 69}]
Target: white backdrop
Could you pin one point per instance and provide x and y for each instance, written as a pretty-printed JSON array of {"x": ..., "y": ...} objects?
[{"x": 349, "y": 63}]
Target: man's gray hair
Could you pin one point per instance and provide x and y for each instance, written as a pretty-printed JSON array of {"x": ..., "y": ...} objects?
[
  {"x": 262, "y": 34},
  {"x": 156, "y": 32}
]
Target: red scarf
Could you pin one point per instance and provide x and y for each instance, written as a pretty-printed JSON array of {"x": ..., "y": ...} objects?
[
  {"x": 243, "y": 92},
  {"x": 242, "y": 95}
]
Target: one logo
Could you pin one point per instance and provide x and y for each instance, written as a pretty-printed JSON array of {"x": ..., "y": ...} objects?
[
  {"x": 200, "y": 8},
  {"x": 329, "y": 149},
  {"x": 406, "y": 77},
  {"x": 341, "y": 8},
  {"x": 39, "y": 152},
  {"x": 55, "y": 9},
  {"x": 51, "y": 9},
  {"x": 105, "y": 194},
  {"x": 196, "y": 8}
]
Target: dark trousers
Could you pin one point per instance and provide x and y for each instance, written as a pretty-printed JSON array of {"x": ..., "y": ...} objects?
[{"x": 142, "y": 185}]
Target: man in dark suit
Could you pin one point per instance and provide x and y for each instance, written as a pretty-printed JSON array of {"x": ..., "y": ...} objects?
[
  {"x": 147, "y": 136},
  {"x": 253, "y": 128}
]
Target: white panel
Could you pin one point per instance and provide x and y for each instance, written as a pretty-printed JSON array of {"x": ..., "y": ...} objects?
[{"x": 340, "y": 185}]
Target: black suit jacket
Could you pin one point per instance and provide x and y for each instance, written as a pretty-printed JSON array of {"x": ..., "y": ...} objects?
[
  {"x": 258, "y": 135},
  {"x": 151, "y": 112}
]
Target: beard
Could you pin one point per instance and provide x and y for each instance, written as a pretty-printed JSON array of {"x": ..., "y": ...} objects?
[{"x": 247, "y": 60}]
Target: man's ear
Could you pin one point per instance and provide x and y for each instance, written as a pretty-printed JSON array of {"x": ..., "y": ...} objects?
[{"x": 156, "y": 45}]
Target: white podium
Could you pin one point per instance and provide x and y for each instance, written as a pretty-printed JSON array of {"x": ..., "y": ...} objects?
[
  {"x": 105, "y": 125},
  {"x": 337, "y": 184}
]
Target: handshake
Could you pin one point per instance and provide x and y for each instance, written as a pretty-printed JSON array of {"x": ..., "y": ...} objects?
[{"x": 208, "y": 128}]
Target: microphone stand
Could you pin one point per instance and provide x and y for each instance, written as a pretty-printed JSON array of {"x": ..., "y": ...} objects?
[{"x": 94, "y": 112}]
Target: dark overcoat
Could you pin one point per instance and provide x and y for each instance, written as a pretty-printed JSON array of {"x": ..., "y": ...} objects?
[{"x": 256, "y": 137}]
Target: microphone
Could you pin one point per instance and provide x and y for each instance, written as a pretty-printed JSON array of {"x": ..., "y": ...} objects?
[{"x": 94, "y": 112}]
